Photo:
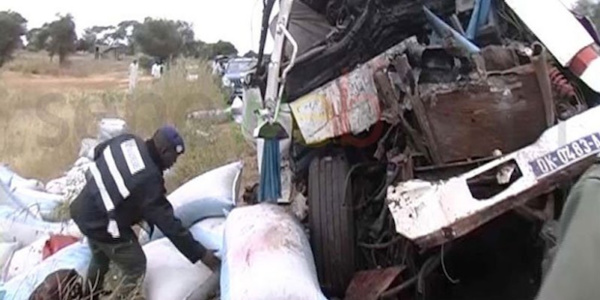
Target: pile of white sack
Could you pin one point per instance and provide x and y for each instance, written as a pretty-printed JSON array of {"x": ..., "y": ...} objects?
[
  {"x": 34, "y": 240},
  {"x": 264, "y": 250}
]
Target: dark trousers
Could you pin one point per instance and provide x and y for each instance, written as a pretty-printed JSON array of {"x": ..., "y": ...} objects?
[{"x": 128, "y": 257}]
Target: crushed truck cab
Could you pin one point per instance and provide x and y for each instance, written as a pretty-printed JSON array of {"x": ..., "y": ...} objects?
[
  {"x": 427, "y": 134},
  {"x": 431, "y": 213}
]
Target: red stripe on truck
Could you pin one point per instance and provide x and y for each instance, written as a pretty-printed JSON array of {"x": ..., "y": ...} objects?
[{"x": 583, "y": 59}]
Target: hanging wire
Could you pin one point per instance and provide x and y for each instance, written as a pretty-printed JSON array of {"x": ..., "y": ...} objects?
[
  {"x": 454, "y": 281},
  {"x": 580, "y": 97},
  {"x": 511, "y": 19}
]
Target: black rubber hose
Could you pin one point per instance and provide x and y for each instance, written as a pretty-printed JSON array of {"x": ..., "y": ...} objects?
[
  {"x": 429, "y": 266},
  {"x": 380, "y": 246}
]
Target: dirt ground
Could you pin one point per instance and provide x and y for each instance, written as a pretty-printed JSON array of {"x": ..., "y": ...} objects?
[{"x": 52, "y": 83}]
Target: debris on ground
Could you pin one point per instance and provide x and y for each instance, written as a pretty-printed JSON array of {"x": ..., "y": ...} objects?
[{"x": 218, "y": 116}]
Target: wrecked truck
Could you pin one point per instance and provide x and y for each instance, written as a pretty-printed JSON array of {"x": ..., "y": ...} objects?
[{"x": 430, "y": 144}]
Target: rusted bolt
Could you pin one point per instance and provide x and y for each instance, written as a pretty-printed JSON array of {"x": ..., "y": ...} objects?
[{"x": 448, "y": 233}]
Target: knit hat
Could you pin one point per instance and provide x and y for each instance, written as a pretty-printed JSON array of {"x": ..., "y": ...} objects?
[{"x": 173, "y": 137}]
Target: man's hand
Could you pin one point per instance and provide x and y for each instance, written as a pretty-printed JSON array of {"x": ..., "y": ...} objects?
[{"x": 211, "y": 261}]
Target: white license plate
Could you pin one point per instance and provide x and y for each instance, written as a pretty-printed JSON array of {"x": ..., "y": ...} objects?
[{"x": 566, "y": 155}]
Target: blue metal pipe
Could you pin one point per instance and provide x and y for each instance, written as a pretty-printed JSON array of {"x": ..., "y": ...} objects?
[
  {"x": 479, "y": 17},
  {"x": 444, "y": 30}
]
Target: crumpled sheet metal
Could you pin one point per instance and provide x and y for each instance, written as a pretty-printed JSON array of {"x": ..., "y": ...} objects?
[
  {"x": 506, "y": 108},
  {"x": 431, "y": 213},
  {"x": 348, "y": 104}
]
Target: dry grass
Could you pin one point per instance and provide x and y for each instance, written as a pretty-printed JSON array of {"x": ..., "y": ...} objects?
[
  {"x": 42, "y": 132},
  {"x": 79, "y": 65},
  {"x": 170, "y": 100},
  {"x": 44, "y": 122}
]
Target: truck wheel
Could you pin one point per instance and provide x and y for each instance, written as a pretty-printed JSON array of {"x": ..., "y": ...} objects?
[{"x": 331, "y": 223}]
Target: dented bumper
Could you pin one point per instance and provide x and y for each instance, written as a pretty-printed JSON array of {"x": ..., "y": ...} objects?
[{"x": 431, "y": 213}]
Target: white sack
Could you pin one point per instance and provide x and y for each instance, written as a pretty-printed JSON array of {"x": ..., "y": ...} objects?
[
  {"x": 6, "y": 252},
  {"x": 194, "y": 212},
  {"x": 57, "y": 186},
  {"x": 209, "y": 233},
  {"x": 87, "y": 148},
  {"x": 75, "y": 179},
  {"x": 25, "y": 259},
  {"x": 207, "y": 289},
  {"x": 111, "y": 127},
  {"x": 81, "y": 162},
  {"x": 164, "y": 260},
  {"x": 38, "y": 203},
  {"x": 221, "y": 183},
  {"x": 267, "y": 256},
  {"x": 7, "y": 199},
  {"x": 5, "y": 174},
  {"x": 13, "y": 180},
  {"x": 24, "y": 228},
  {"x": 76, "y": 256},
  {"x": 169, "y": 274},
  {"x": 32, "y": 184}
]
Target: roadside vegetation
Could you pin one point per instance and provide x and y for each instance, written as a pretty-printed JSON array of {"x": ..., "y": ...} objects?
[
  {"x": 55, "y": 86},
  {"x": 44, "y": 117}
]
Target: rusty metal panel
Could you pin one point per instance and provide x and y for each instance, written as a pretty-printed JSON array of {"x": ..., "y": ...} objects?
[
  {"x": 431, "y": 213},
  {"x": 471, "y": 120},
  {"x": 346, "y": 105},
  {"x": 369, "y": 285}
]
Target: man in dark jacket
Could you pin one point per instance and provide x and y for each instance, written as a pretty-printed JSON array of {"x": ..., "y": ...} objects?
[{"x": 125, "y": 186}]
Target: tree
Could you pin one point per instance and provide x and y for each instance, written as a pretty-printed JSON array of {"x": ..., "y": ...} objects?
[
  {"x": 251, "y": 54},
  {"x": 209, "y": 51},
  {"x": 124, "y": 33},
  {"x": 12, "y": 27},
  {"x": 37, "y": 38},
  {"x": 87, "y": 41},
  {"x": 160, "y": 38},
  {"x": 63, "y": 38},
  {"x": 221, "y": 48},
  {"x": 193, "y": 49}
]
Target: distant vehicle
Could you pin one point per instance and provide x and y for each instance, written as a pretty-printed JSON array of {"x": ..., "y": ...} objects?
[
  {"x": 235, "y": 70},
  {"x": 218, "y": 64}
]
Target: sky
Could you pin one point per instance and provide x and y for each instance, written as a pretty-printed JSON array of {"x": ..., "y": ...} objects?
[{"x": 237, "y": 21}]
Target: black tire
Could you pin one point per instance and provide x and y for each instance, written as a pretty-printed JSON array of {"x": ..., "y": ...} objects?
[{"x": 331, "y": 223}]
